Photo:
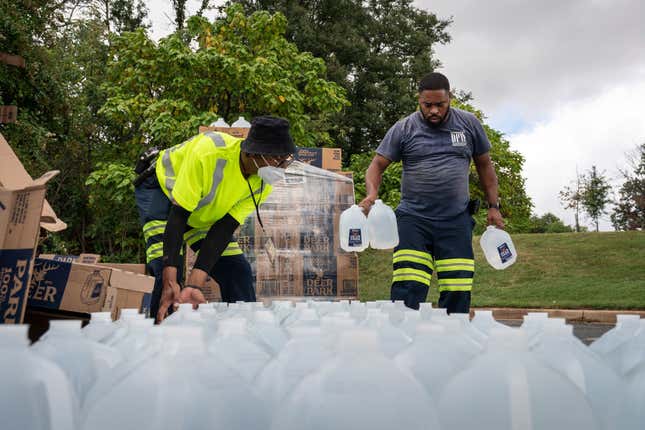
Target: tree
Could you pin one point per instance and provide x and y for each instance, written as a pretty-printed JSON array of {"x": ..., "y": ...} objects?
[
  {"x": 377, "y": 50},
  {"x": 239, "y": 65},
  {"x": 629, "y": 210},
  {"x": 548, "y": 223},
  {"x": 571, "y": 198}
]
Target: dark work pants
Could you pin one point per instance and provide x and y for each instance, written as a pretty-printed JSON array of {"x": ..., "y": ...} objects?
[{"x": 426, "y": 247}]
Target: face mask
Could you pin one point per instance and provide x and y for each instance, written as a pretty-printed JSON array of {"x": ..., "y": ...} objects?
[{"x": 271, "y": 175}]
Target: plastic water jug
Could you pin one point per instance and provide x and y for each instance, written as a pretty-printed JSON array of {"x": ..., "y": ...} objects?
[
  {"x": 509, "y": 389},
  {"x": 485, "y": 322},
  {"x": 381, "y": 224},
  {"x": 83, "y": 360},
  {"x": 437, "y": 354},
  {"x": 562, "y": 351},
  {"x": 301, "y": 356},
  {"x": 498, "y": 248},
  {"x": 241, "y": 123},
  {"x": 354, "y": 234},
  {"x": 220, "y": 123},
  {"x": 100, "y": 327},
  {"x": 627, "y": 326},
  {"x": 35, "y": 393},
  {"x": 181, "y": 387},
  {"x": 351, "y": 392}
]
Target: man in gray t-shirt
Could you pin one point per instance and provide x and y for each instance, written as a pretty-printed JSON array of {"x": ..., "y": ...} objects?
[{"x": 435, "y": 145}]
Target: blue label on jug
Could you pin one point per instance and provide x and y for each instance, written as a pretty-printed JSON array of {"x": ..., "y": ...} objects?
[
  {"x": 504, "y": 252},
  {"x": 355, "y": 237}
]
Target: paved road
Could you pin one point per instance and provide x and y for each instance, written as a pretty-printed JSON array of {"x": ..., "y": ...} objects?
[{"x": 587, "y": 332}]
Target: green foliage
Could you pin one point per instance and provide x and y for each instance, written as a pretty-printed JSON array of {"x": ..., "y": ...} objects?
[
  {"x": 111, "y": 200},
  {"x": 377, "y": 50},
  {"x": 629, "y": 210},
  {"x": 548, "y": 223},
  {"x": 236, "y": 66}
]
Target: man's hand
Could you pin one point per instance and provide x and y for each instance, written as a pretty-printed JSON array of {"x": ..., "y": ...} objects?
[
  {"x": 495, "y": 218},
  {"x": 191, "y": 295},
  {"x": 366, "y": 204},
  {"x": 170, "y": 294}
]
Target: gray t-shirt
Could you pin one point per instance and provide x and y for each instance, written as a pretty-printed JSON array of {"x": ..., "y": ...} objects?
[{"x": 436, "y": 162}]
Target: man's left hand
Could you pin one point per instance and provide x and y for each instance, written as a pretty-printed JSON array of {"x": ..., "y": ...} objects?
[
  {"x": 495, "y": 218},
  {"x": 191, "y": 295}
]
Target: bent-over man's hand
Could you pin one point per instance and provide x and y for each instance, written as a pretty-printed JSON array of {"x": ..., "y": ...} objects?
[
  {"x": 191, "y": 295},
  {"x": 170, "y": 294}
]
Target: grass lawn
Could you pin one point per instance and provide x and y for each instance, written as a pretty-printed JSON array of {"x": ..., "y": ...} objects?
[{"x": 568, "y": 270}]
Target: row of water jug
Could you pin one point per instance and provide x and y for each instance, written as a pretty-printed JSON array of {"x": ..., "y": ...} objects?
[
  {"x": 239, "y": 123},
  {"x": 321, "y": 365}
]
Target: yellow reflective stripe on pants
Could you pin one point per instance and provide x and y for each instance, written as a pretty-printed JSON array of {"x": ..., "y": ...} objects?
[
  {"x": 400, "y": 258},
  {"x": 408, "y": 274},
  {"x": 154, "y": 251},
  {"x": 452, "y": 264},
  {"x": 153, "y": 228},
  {"x": 456, "y": 284}
]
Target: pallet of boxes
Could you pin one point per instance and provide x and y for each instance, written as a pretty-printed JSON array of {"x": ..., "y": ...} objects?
[
  {"x": 36, "y": 289},
  {"x": 301, "y": 217}
]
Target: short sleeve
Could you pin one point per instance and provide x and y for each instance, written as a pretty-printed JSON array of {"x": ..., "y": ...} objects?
[
  {"x": 481, "y": 144},
  {"x": 245, "y": 207},
  {"x": 189, "y": 185},
  {"x": 390, "y": 146}
]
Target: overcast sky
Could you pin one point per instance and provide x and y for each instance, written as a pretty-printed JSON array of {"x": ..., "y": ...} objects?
[{"x": 563, "y": 79}]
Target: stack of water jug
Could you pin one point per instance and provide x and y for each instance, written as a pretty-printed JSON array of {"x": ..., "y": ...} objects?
[{"x": 321, "y": 365}]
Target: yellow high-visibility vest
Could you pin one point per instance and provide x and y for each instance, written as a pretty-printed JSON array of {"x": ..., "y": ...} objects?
[{"x": 203, "y": 176}]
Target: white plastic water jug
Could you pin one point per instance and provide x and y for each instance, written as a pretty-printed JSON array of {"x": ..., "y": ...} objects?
[
  {"x": 241, "y": 123},
  {"x": 220, "y": 123},
  {"x": 354, "y": 234},
  {"x": 498, "y": 248},
  {"x": 381, "y": 224},
  {"x": 351, "y": 392},
  {"x": 35, "y": 392},
  {"x": 509, "y": 389}
]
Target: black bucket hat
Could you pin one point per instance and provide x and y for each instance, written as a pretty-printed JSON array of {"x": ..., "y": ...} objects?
[{"x": 269, "y": 135}]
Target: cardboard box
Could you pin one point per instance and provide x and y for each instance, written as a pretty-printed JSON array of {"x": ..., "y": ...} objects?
[
  {"x": 324, "y": 158},
  {"x": 128, "y": 267},
  {"x": 86, "y": 288},
  {"x": 20, "y": 213},
  {"x": 128, "y": 290},
  {"x": 82, "y": 258},
  {"x": 240, "y": 132},
  {"x": 14, "y": 176}
]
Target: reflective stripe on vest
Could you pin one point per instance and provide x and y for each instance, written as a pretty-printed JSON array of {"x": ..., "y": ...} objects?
[{"x": 218, "y": 174}]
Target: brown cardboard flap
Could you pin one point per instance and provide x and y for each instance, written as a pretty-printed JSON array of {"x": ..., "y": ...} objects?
[
  {"x": 128, "y": 267},
  {"x": 131, "y": 281},
  {"x": 14, "y": 176}
]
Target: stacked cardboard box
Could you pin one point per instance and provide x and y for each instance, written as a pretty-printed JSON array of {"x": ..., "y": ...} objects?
[
  {"x": 84, "y": 288},
  {"x": 20, "y": 211},
  {"x": 59, "y": 284}
]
